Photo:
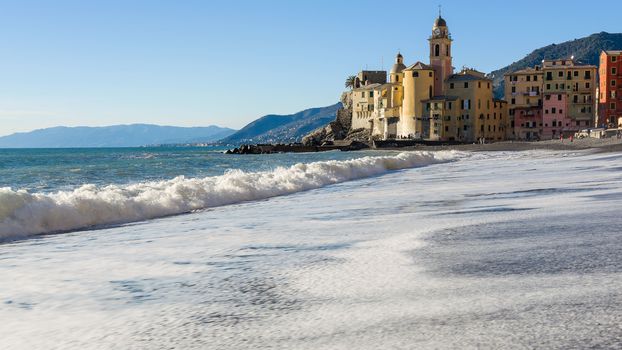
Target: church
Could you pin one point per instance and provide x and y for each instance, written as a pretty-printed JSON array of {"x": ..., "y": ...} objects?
[{"x": 429, "y": 101}]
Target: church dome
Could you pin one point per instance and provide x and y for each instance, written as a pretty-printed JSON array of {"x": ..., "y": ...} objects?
[
  {"x": 398, "y": 68},
  {"x": 440, "y": 22}
]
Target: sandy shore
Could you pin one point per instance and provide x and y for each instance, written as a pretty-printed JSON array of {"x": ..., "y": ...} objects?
[{"x": 599, "y": 145}]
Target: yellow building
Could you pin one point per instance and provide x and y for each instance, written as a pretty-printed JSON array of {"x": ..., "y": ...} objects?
[
  {"x": 523, "y": 91},
  {"x": 418, "y": 86}
]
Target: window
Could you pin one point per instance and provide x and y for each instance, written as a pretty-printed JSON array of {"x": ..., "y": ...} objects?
[
  {"x": 479, "y": 103},
  {"x": 535, "y": 78},
  {"x": 614, "y": 58},
  {"x": 578, "y": 123},
  {"x": 446, "y": 128},
  {"x": 479, "y": 84},
  {"x": 576, "y": 74},
  {"x": 614, "y": 71},
  {"x": 513, "y": 101},
  {"x": 371, "y": 94},
  {"x": 548, "y": 86},
  {"x": 415, "y": 74},
  {"x": 588, "y": 74},
  {"x": 529, "y": 78},
  {"x": 549, "y": 75},
  {"x": 430, "y": 74},
  {"x": 466, "y": 85},
  {"x": 612, "y": 105},
  {"x": 587, "y": 85},
  {"x": 547, "y": 97},
  {"x": 613, "y": 83},
  {"x": 553, "y": 110},
  {"x": 560, "y": 74},
  {"x": 430, "y": 91},
  {"x": 448, "y": 51},
  {"x": 489, "y": 85},
  {"x": 513, "y": 88},
  {"x": 448, "y": 105},
  {"x": 561, "y": 111},
  {"x": 559, "y": 97},
  {"x": 451, "y": 85},
  {"x": 363, "y": 94},
  {"x": 437, "y": 50},
  {"x": 546, "y": 111}
]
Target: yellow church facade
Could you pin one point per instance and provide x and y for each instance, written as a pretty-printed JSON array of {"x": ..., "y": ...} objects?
[{"x": 429, "y": 101}]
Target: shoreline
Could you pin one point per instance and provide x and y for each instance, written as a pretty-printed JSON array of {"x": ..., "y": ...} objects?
[{"x": 598, "y": 145}]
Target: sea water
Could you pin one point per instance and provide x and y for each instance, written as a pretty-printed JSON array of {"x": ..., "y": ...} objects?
[{"x": 356, "y": 250}]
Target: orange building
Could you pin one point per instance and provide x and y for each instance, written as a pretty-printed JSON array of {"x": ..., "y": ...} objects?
[{"x": 610, "y": 99}]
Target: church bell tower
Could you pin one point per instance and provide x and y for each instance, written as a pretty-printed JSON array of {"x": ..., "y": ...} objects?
[{"x": 440, "y": 54}]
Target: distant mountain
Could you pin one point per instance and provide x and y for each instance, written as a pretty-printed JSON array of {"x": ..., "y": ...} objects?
[
  {"x": 585, "y": 50},
  {"x": 113, "y": 136},
  {"x": 283, "y": 128}
]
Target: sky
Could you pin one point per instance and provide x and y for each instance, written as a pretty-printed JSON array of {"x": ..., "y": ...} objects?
[{"x": 226, "y": 63}]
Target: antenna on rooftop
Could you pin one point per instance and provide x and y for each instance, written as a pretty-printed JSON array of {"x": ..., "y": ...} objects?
[{"x": 439, "y": 10}]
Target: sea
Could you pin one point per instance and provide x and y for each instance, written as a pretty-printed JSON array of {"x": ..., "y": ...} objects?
[{"x": 190, "y": 248}]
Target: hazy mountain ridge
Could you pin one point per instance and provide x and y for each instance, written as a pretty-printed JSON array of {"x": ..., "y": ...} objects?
[
  {"x": 274, "y": 128},
  {"x": 132, "y": 135},
  {"x": 585, "y": 50}
]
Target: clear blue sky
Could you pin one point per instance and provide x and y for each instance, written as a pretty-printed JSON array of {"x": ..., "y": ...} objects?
[{"x": 196, "y": 63}]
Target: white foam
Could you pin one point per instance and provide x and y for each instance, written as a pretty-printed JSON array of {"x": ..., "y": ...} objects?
[{"x": 23, "y": 213}]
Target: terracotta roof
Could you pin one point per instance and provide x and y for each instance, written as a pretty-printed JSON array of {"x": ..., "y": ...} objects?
[{"x": 419, "y": 66}]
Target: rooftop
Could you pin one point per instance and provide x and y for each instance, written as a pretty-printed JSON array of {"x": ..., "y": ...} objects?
[{"x": 419, "y": 66}]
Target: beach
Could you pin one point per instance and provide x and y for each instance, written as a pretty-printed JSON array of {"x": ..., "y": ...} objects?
[
  {"x": 597, "y": 145},
  {"x": 503, "y": 250}
]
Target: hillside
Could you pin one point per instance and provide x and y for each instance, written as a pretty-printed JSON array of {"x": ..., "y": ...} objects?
[
  {"x": 585, "y": 50},
  {"x": 283, "y": 128},
  {"x": 112, "y": 136}
]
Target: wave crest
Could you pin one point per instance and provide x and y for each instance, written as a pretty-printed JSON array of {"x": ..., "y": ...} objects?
[{"x": 23, "y": 214}]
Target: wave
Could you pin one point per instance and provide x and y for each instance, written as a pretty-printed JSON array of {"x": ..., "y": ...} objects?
[{"x": 23, "y": 214}]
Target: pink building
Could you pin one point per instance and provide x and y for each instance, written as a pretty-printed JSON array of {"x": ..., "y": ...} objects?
[
  {"x": 555, "y": 118},
  {"x": 528, "y": 122}
]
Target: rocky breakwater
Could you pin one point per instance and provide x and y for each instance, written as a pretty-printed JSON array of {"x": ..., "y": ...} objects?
[
  {"x": 298, "y": 148},
  {"x": 338, "y": 130}
]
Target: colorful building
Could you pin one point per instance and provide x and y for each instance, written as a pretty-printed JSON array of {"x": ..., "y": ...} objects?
[
  {"x": 429, "y": 101},
  {"x": 523, "y": 91},
  {"x": 554, "y": 99},
  {"x": 610, "y": 90},
  {"x": 569, "y": 95}
]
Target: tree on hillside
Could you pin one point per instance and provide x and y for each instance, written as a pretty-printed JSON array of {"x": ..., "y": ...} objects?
[{"x": 350, "y": 82}]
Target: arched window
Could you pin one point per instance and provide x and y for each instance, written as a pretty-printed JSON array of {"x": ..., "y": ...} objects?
[{"x": 437, "y": 50}]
